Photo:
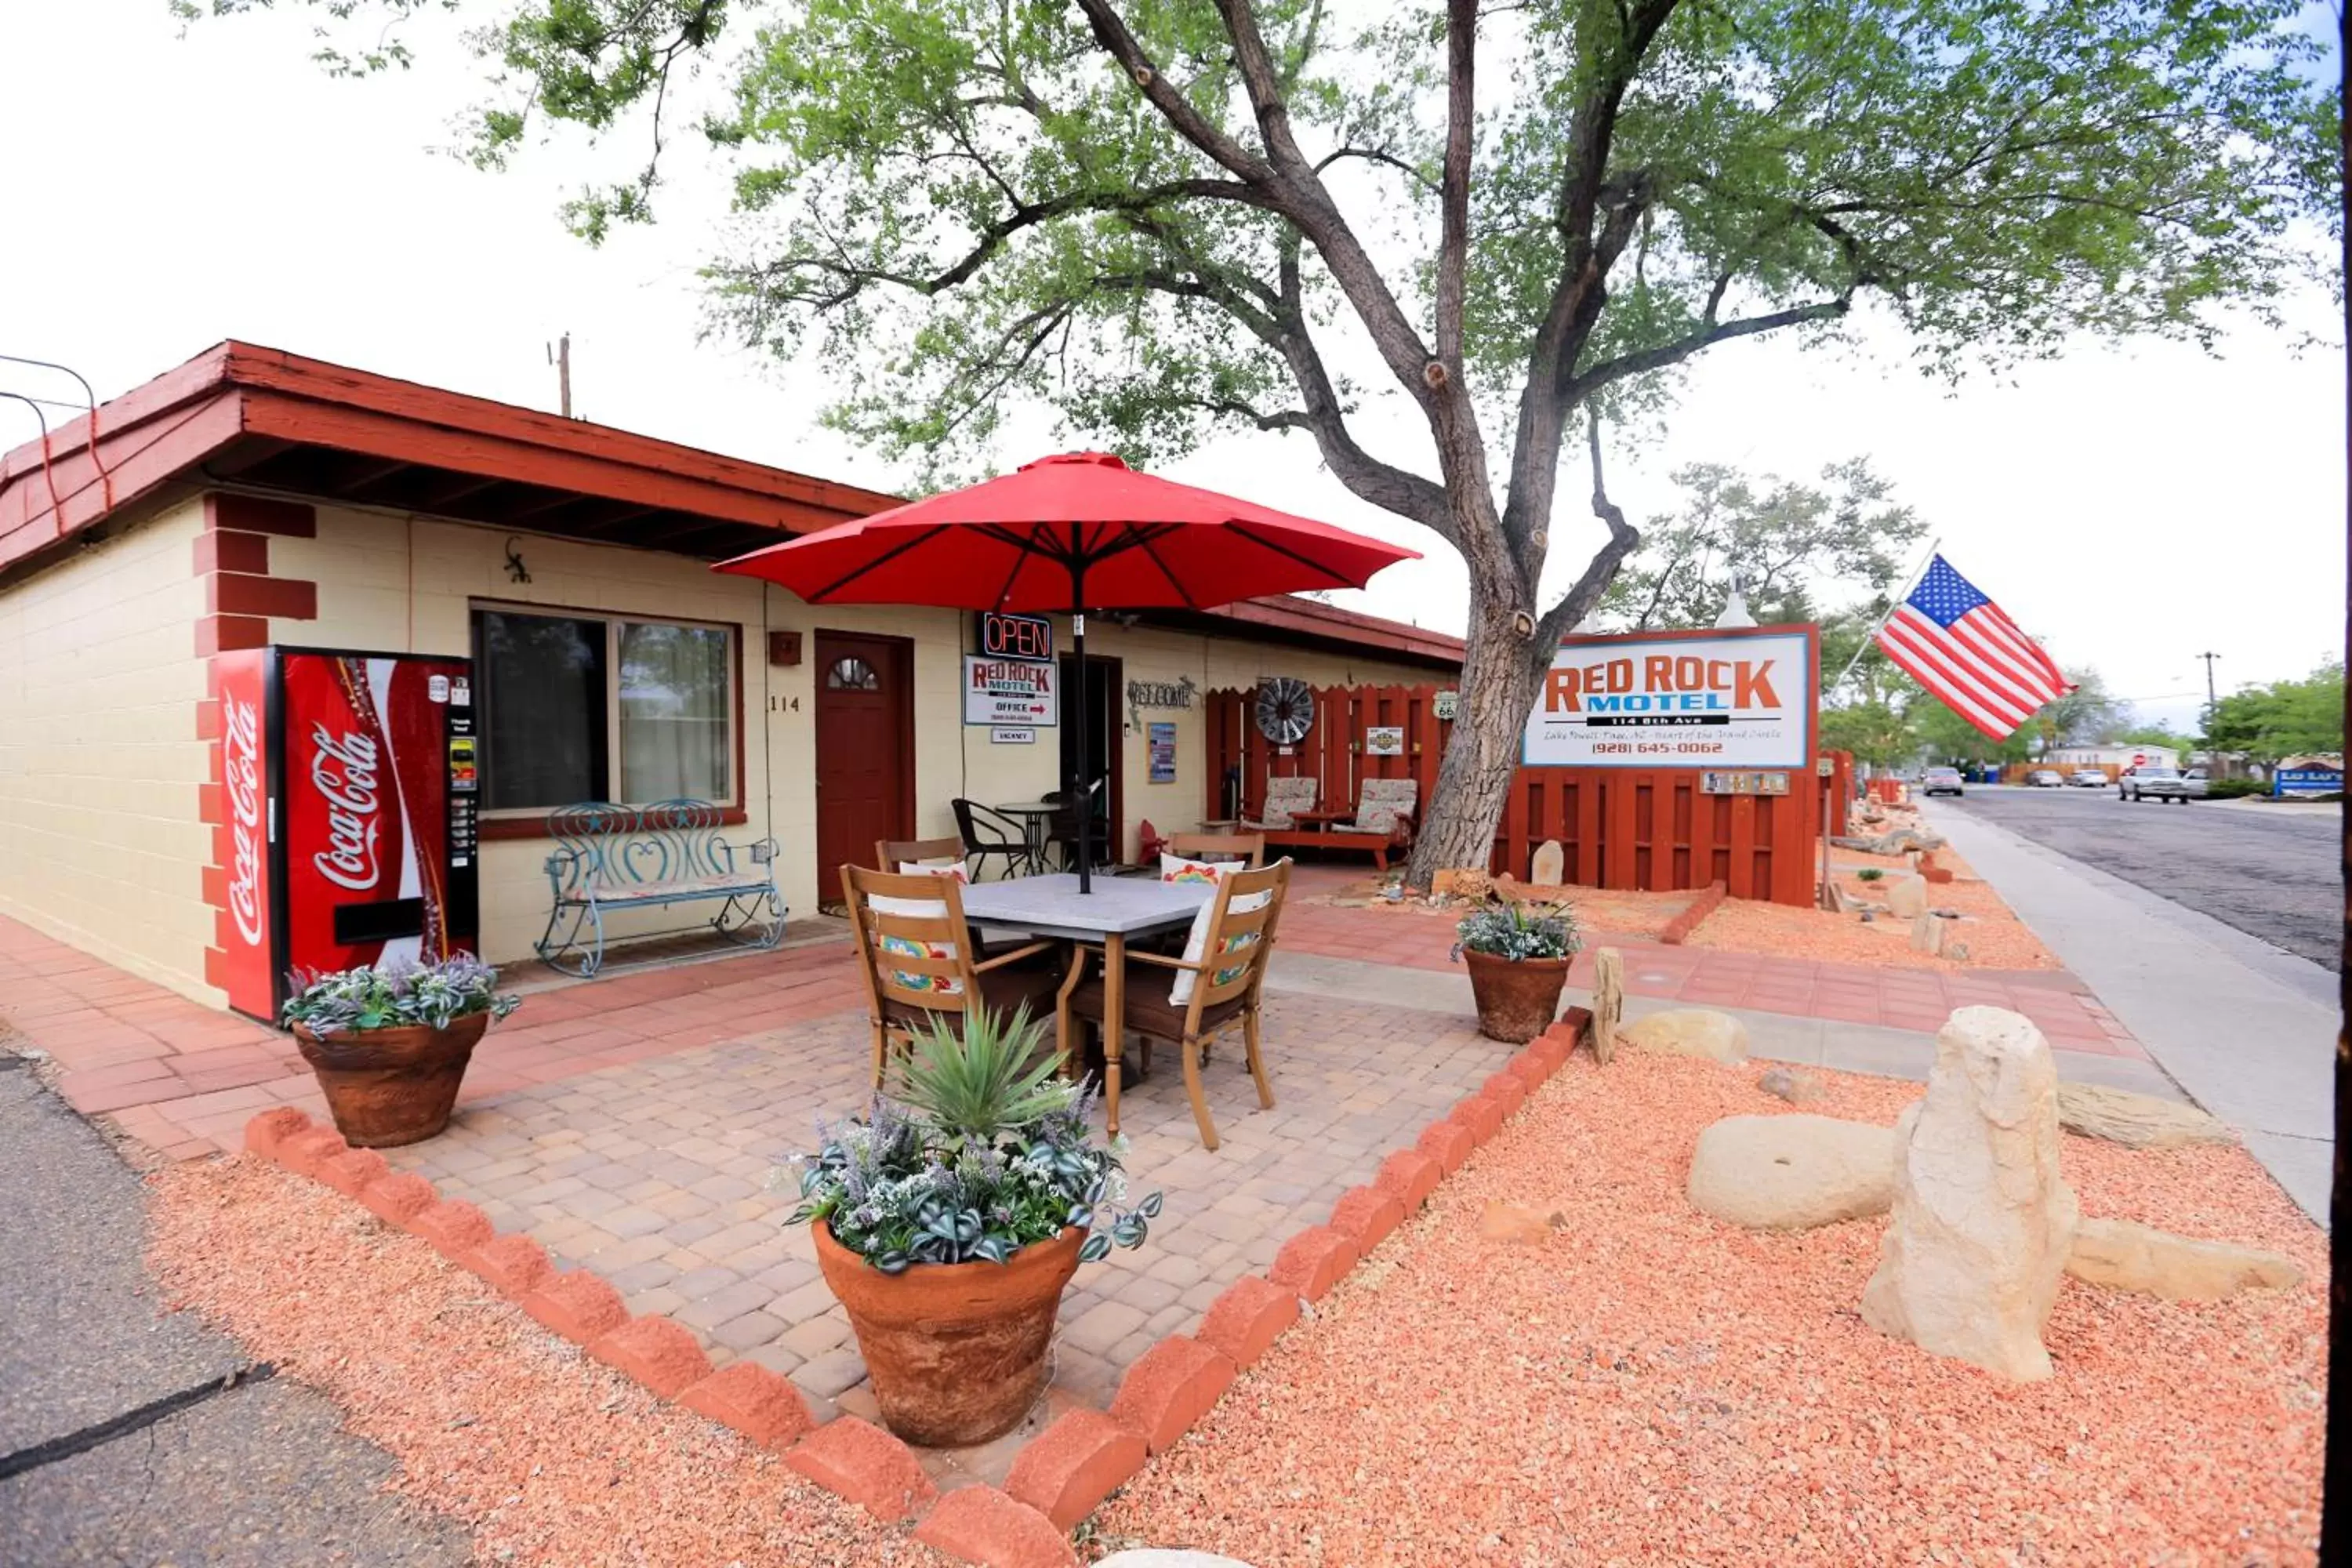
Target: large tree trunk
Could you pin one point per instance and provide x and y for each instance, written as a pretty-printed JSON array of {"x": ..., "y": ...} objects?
[{"x": 1499, "y": 675}]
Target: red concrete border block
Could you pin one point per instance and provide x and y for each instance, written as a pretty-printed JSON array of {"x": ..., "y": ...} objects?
[
  {"x": 981, "y": 1524},
  {"x": 303, "y": 1153},
  {"x": 1368, "y": 1214},
  {"x": 1448, "y": 1143},
  {"x": 1506, "y": 1090},
  {"x": 454, "y": 1226},
  {"x": 858, "y": 1461},
  {"x": 1244, "y": 1323},
  {"x": 1530, "y": 1068},
  {"x": 1678, "y": 929},
  {"x": 1481, "y": 1116},
  {"x": 1171, "y": 1385},
  {"x": 1410, "y": 1175},
  {"x": 1311, "y": 1262},
  {"x": 269, "y": 1129},
  {"x": 659, "y": 1353},
  {"x": 398, "y": 1198},
  {"x": 578, "y": 1305},
  {"x": 513, "y": 1265},
  {"x": 350, "y": 1172},
  {"x": 1066, "y": 1470},
  {"x": 763, "y": 1406},
  {"x": 1551, "y": 1049}
]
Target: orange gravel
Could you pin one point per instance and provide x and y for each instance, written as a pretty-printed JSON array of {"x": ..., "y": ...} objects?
[
  {"x": 1649, "y": 1386},
  {"x": 549, "y": 1457}
]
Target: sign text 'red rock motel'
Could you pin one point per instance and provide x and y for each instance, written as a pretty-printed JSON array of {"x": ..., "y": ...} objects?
[{"x": 1737, "y": 700}]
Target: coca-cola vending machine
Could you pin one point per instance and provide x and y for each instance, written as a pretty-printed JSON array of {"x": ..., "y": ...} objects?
[{"x": 350, "y": 782}]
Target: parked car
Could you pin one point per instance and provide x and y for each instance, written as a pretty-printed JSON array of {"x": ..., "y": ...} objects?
[
  {"x": 1942, "y": 781},
  {"x": 2088, "y": 778},
  {"x": 2045, "y": 778},
  {"x": 2162, "y": 784}
]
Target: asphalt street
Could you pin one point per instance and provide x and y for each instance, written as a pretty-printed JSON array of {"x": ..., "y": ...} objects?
[
  {"x": 131, "y": 1436},
  {"x": 2271, "y": 872}
]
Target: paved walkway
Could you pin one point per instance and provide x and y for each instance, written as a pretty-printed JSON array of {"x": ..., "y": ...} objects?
[{"x": 2247, "y": 1029}]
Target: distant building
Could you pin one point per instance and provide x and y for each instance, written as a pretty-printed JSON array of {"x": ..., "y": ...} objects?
[{"x": 2117, "y": 757}]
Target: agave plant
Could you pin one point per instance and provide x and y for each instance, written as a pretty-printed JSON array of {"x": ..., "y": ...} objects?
[{"x": 988, "y": 1152}]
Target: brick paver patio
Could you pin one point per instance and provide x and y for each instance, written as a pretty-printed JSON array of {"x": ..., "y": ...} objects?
[{"x": 653, "y": 1174}]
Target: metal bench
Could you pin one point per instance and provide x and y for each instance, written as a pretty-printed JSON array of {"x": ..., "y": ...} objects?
[{"x": 614, "y": 857}]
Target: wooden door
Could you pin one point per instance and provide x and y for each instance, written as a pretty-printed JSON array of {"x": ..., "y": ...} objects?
[{"x": 864, "y": 751}]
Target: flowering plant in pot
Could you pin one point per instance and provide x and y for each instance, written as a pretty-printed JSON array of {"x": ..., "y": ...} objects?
[
  {"x": 1518, "y": 958},
  {"x": 949, "y": 1222},
  {"x": 389, "y": 1042}
]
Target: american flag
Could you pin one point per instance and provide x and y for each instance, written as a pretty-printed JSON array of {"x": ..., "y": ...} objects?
[{"x": 1961, "y": 645}]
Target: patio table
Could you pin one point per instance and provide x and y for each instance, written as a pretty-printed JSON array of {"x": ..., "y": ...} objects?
[
  {"x": 1118, "y": 908},
  {"x": 1036, "y": 817}
]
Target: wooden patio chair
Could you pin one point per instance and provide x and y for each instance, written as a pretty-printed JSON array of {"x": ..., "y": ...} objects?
[
  {"x": 917, "y": 952},
  {"x": 1249, "y": 847},
  {"x": 1218, "y": 985},
  {"x": 890, "y": 854}
]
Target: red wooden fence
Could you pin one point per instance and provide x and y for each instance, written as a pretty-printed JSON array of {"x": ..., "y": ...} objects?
[{"x": 1647, "y": 829}]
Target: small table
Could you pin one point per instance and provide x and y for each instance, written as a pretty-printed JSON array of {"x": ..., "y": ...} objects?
[
  {"x": 1036, "y": 818},
  {"x": 1119, "y": 907},
  {"x": 1322, "y": 821}
]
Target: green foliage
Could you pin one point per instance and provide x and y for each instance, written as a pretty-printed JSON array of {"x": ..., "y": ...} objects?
[
  {"x": 1781, "y": 541},
  {"x": 2285, "y": 719},
  {"x": 1946, "y": 737},
  {"x": 2123, "y": 734},
  {"x": 1870, "y": 873},
  {"x": 1874, "y": 732},
  {"x": 2234, "y": 789},
  {"x": 988, "y": 1156},
  {"x": 1501, "y": 929},
  {"x": 398, "y": 994}
]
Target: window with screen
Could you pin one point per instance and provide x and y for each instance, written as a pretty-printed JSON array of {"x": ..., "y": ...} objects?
[{"x": 587, "y": 708}]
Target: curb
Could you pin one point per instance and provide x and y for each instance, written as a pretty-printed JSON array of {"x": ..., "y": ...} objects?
[
  {"x": 1695, "y": 913},
  {"x": 1061, "y": 1474}
]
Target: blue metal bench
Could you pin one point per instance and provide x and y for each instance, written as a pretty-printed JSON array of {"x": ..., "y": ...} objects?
[{"x": 614, "y": 857}]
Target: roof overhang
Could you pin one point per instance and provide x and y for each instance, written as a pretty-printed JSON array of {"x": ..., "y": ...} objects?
[
  {"x": 1309, "y": 623},
  {"x": 261, "y": 418}
]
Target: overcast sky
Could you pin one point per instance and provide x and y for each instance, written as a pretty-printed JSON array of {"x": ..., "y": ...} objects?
[{"x": 2132, "y": 504}]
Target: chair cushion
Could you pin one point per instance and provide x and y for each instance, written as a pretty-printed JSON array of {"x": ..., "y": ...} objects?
[
  {"x": 1197, "y": 941},
  {"x": 1148, "y": 1011},
  {"x": 1284, "y": 796},
  {"x": 1381, "y": 802},
  {"x": 1178, "y": 868},
  {"x": 1033, "y": 982}
]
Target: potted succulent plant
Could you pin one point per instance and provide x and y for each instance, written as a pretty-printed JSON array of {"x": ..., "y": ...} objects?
[
  {"x": 1518, "y": 960},
  {"x": 949, "y": 1222},
  {"x": 389, "y": 1042}
]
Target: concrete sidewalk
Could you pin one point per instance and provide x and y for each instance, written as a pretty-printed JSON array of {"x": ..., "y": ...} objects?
[{"x": 2247, "y": 1029}]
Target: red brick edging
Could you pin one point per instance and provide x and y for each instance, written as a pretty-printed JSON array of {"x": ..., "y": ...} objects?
[
  {"x": 1060, "y": 1476},
  {"x": 1678, "y": 929}
]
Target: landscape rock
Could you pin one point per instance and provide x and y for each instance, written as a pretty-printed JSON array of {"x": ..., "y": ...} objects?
[
  {"x": 1906, "y": 896},
  {"x": 1958, "y": 951},
  {"x": 1982, "y": 1224},
  {"x": 1516, "y": 1224},
  {"x": 2130, "y": 1257},
  {"x": 1167, "y": 1557},
  {"x": 1689, "y": 1032},
  {"x": 1792, "y": 1173},
  {"x": 1897, "y": 841},
  {"x": 1461, "y": 883},
  {"x": 1608, "y": 1002},
  {"x": 1794, "y": 1085},
  {"x": 1550, "y": 861},
  {"x": 2137, "y": 1121},
  {"x": 1928, "y": 935}
]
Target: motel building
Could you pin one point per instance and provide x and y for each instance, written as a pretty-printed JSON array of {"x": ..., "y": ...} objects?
[{"x": 251, "y": 498}]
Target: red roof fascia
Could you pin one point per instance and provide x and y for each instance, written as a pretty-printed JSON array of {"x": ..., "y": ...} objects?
[{"x": 1314, "y": 618}]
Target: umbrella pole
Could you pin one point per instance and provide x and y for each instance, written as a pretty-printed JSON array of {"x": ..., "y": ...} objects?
[{"x": 1085, "y": 792}]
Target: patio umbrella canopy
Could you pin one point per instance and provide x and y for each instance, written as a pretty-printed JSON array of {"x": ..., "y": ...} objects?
[{"x": 1065, "y": 533}]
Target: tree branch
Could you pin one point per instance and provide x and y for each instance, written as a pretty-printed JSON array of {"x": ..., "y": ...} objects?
[
  {"x": 1110, "y": 30},
  {"x": 1375, "y": 155},
  {"x": 1623, "y": 540},
  {"x": 1453, "y": 186},
  {"x": 1588, "y": 382}
]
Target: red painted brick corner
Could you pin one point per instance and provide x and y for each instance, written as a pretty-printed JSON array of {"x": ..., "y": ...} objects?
[
  {"x": 397, "y": 1198},
  {"x": 1410, "y": 1175},
  {"x": 350, "y": 1172},
  {"x": 1531, "y": 1068},
  {"x": 1066, "y": 1470},
  {"x": 1244, "y": 1322},
  {"x": 659, "y": 1353},
  {"x": 1313, "y": 1261},
  {"x": 1507, "y": 1089},
  {"x": 269, "y": 1129},
  {"x": 1367, "y": 1214},
  {"x": 303, "y": 1153},
  {"x": 1481, "y": 1116},
  {"x": 858, "y": 1461},
  {"x": 763, "y": 1406},
  {"x": 1446, "y": 1142},
  {"x": 578, "y": 1305},
  {"x": 514, "y": 1266},
  {"x": 1169, "y": 1387},
  {"x": 454, "y": 1228},
  {"x": 981, "y": 1524}
]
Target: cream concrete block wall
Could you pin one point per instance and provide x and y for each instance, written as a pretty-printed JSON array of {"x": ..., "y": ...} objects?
[{"x": 101, "y": 841}]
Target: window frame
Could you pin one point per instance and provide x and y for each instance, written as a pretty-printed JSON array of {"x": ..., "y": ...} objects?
[{"x": 529, "y": 822}]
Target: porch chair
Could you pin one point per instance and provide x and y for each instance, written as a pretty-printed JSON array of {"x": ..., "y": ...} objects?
[
  {"x": 1217, "y": 983},
  {"x": 1283, "y": 797},
  {"x": 916, "y": 953},
  {"x": 1063, "y": 827},
  {"x": 1385, "y": 806},
  {"x": 1247, "y": 848},
  {"x": 941, "y": 853},
  {"x": 988, "y": 833}
]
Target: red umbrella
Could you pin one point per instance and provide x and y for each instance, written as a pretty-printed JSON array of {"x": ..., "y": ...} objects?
[{"x": 1065, "y": 533}]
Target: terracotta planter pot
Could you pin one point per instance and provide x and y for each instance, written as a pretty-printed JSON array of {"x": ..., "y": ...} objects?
[
  {"x": 956, "y": 1351},
  {"x": 1517, "y": 997},
  {"x": 390, "y": 1087}
]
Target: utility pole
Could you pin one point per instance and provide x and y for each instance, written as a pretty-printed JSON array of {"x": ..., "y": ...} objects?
[
  {"x": 2211, "y": 701},
  {"x": 559, "y": 354}
]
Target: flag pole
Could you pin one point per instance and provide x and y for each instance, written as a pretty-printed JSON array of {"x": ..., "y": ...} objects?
[{"x": 1892, "y": 605}]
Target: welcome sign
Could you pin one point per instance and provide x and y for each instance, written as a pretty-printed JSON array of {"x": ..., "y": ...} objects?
[{"x": 1722, "y": 699}]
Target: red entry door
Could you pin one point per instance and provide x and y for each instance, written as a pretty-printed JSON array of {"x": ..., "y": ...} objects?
[{"x": 864, "y": 751}]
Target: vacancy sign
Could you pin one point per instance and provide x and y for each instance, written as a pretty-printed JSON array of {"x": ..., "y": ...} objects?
[{"x": 1719, "y": 700}]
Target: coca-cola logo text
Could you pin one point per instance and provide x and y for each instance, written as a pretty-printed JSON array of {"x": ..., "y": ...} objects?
[
  {"x": 349, "y": 788},
  {"x": 241, "y": 771}
]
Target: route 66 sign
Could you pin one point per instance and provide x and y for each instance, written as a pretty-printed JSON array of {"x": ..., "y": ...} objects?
[{"x": 1446, "y": 704}]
